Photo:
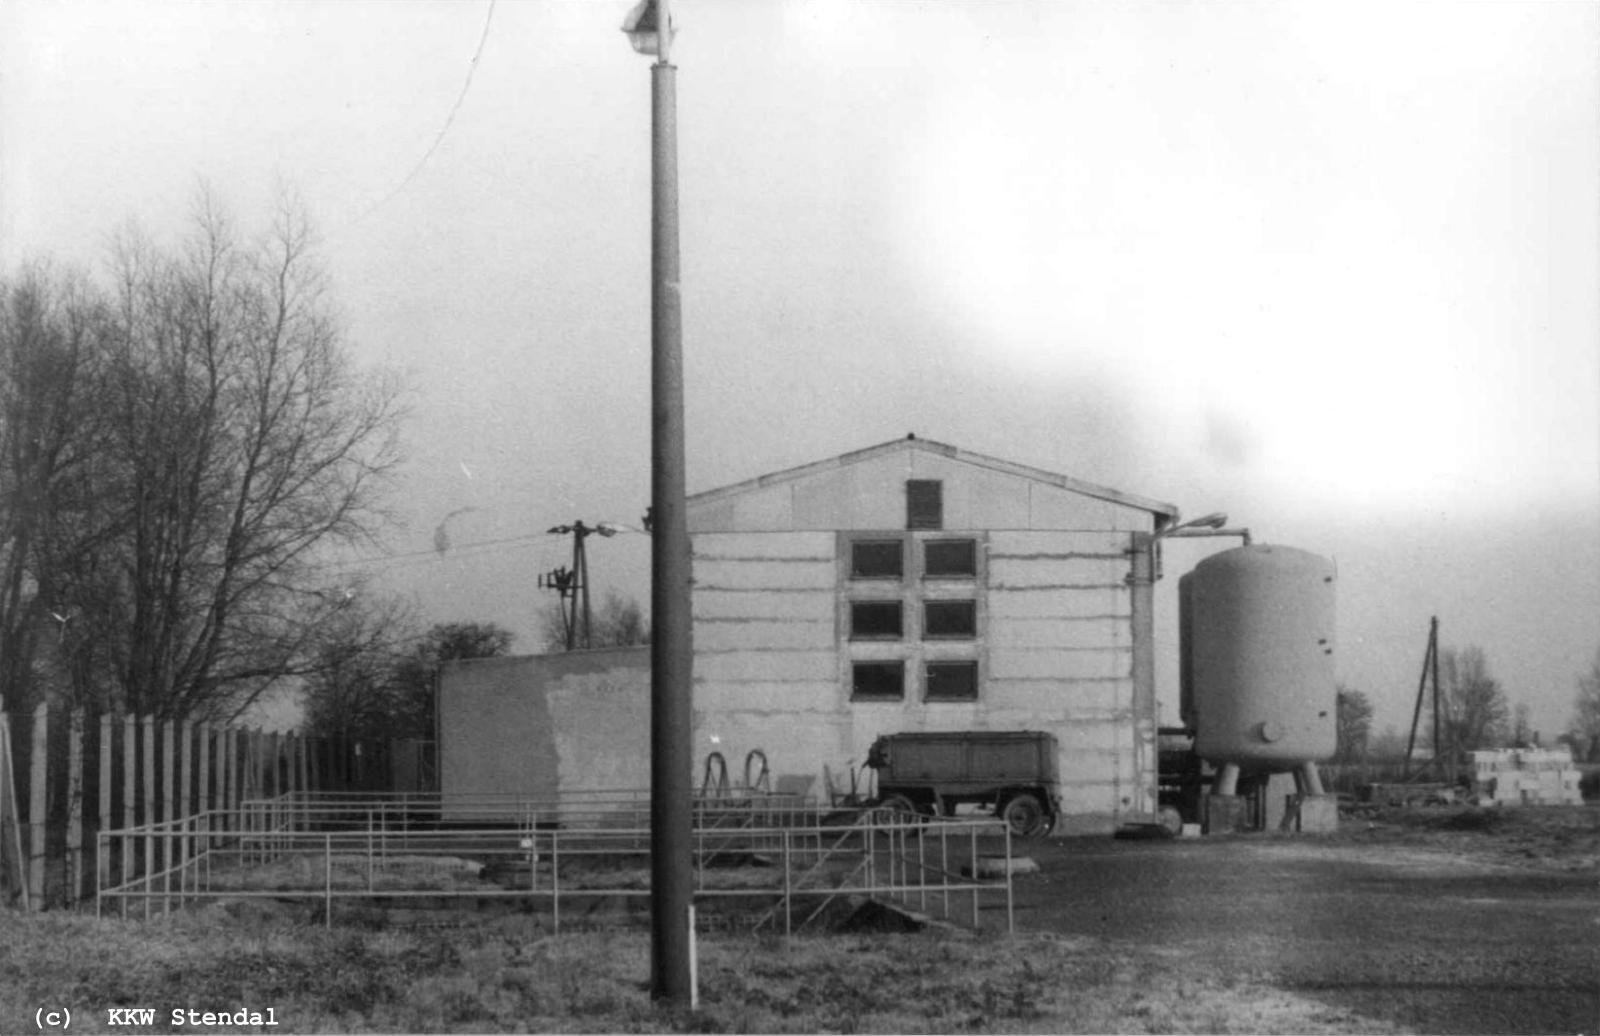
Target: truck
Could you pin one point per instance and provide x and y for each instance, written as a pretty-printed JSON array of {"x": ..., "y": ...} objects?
[{"x": 1011, "y": 772}]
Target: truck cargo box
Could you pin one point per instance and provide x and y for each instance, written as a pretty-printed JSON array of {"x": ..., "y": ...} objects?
[{"x": 1014, "y": 772}]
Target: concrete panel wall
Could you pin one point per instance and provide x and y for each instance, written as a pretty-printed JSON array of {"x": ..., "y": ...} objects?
[
  {"x": 538, "y": 726},
  {"x": 601, "y": 720},
  {"x": 495, "y": 731}
]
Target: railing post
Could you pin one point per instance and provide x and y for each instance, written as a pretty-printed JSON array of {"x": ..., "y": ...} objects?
[
  {"x": 972, "y": 855},
  {"x": 788, "y": 890},
  {"x": 327, "y": 879},
  {"x": 922, "y": 873},
  {"x": 944, "y": 867},
  {"x": 1011, "y": 928}
]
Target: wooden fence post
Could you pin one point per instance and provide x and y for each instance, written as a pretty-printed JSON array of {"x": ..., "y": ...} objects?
[
  {"x": 230, "y": 781},
  {"x": 271, "y": 787},
  {"x": 203, "y": 777},
  {"x": 74, "y": 860},
  {"x": 169, "y": 788},
  {"x": 316, "y": 783},
  {"x": 130, "y": 791},
  {"x": 147, "y": 726},
  {"x": 38, "y": 805},
  {"x": 13, "y": 861},
  {"x": 102, "y": 847},
  {"x": 185, "y": 780}
]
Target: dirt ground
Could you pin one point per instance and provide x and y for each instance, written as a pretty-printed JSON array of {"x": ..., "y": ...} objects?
[{"x": 1445, "y": 920}]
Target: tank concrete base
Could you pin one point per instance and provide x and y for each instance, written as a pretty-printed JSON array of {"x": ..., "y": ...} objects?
[
  {"x": 1226, "y": 814},
  {"x": 1318, "y": 815}
]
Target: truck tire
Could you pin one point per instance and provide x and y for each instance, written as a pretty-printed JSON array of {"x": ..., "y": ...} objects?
[
  {"x": 1025, "y": 815},
  {"x": 898, "y": 807}
]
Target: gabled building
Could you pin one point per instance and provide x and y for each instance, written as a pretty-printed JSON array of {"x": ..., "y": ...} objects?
[
  {"x": 915, "y": 586},
  {"x": 911, "y": 586}
]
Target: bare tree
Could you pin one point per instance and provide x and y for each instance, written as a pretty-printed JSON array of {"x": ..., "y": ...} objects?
[
  {"x": 1353, "y": 716},
  {"x": 233, "y": 440},
  {"x": 1472, "y": 706},
  {"x": 619, "y": 622},
  {"x": 1585, "y": 724},
  {"x": 52, "y": 467},
  {"x": 350, "y": 688},
  {"x": 370, "y": 687}
]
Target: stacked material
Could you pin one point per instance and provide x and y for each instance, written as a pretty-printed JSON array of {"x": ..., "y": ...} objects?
[{"x": 1526, "y": 777}]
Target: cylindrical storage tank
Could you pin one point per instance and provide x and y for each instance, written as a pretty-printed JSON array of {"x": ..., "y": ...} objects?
[{"x": 1259, "y": 657}]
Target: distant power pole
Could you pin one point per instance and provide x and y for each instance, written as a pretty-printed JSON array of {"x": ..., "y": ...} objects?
[
  {"x": 573, "y": 584},
  {"x": 1430, "y": 668}
]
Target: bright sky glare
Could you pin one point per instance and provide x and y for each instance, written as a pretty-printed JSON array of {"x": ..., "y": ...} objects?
[{"x": 1334, "y": 269}]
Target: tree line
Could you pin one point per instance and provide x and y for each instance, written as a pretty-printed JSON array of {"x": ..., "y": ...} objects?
[
  {"x": 181, "y": 437},
  {"x": 1475, "y": 713}
]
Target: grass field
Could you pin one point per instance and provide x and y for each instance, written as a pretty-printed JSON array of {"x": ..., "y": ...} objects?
[{"x": 501, "y": 976}]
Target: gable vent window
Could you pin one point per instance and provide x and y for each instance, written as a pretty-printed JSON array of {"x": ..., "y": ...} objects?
[
  {"x": 924, "y": 504},
  {"x": 875, "y": 620}
]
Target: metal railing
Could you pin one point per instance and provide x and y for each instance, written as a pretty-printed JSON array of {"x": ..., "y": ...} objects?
[{"x": 757, "y": 860}]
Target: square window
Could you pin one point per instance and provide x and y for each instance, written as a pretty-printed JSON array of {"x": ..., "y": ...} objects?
[
  {"x": 875, "y": 620},
  {"x": 876, "y": 559},
  {"x": 950, "y": 619},
  {"x": 924, "y": 504},
  {"x": 952, "y": 681},
  {"x": 881, "y": 680},
  {"x": 950, "y": 559}
]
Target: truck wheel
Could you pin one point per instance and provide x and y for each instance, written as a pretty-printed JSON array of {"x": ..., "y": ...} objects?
[
  {"x": 1026, "y": 817},
  {"x": 897, "y": 807}
]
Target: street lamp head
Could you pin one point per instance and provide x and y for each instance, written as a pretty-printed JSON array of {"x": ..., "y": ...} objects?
[
  {"x": 1211, "y": 521},
  {"x": 643, "y": 26}
]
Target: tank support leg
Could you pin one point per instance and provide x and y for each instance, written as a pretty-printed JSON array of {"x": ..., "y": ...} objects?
[
  {"x": 1310, "y": 779},
  {"x": 1227, "y": 782}
]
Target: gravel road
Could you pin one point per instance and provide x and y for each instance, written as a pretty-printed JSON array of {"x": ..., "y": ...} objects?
[{"x": 1426, "y": 940}]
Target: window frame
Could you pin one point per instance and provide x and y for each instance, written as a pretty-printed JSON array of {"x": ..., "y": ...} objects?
[
  {"x": 969, "y": 665},
  {"x": 949, "y": 604},
  {"x": 858, "y": 664},
  {"x": 970, "y": 542},
  {"x": 856, "y": 576},
  {"x": 896, "y": 603},
  {"x": 861, "y": 655}
]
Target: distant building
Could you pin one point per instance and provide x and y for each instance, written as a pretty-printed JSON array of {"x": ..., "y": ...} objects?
[{"x": 911, "y": 586}]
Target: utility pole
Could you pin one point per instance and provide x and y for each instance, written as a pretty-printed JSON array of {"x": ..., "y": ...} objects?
[
  {"x": 649, "y": 27},
  {"x": 573, "y": 584},
  {"x": 1430, "y": 666}
]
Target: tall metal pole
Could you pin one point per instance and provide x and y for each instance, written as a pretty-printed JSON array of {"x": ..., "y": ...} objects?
[{"x": 671, "y": 646}]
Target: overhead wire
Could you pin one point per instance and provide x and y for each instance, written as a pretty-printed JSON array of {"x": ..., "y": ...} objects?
[
  {"x": 483, "y": 38},
  {"x": 465, "y": 549}
]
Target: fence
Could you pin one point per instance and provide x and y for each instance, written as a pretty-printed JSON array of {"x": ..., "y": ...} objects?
[
  {"x": 66, "y": 775},
  {"x": 773, "y": 865}
]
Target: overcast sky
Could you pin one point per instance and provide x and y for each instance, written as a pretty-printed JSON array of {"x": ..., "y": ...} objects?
[{"x": 1331, "y": 268}]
